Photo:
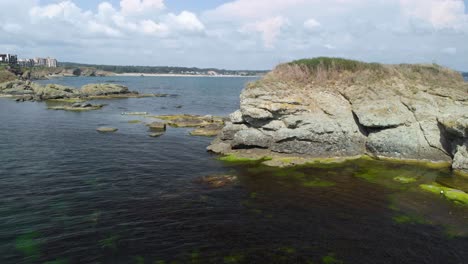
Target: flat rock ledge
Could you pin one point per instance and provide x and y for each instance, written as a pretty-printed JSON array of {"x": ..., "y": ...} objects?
[{"x": 318, "y": 110}]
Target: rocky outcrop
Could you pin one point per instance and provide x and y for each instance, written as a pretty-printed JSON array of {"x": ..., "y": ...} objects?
[
  {"x": 30, "y": 91},
  {"x": 338, "y": 108},
  {"x": 104, "y": 89}
]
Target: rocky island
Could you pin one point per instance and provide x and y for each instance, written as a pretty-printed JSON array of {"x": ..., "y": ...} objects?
[{"x": 334, "y": 108}]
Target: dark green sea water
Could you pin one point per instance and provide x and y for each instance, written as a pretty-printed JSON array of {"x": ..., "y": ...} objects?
[{"x": 71, "y": 195}]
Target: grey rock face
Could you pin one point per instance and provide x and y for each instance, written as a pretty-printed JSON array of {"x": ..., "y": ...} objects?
[
  {"x": 236, "y": 117},
  {"x": 404, "y": 142},
  {"x": 251, "y": 138},
  {"x": 383, "y": 113},
  {"x": 230, "y": 130},
  {"x": 460, "y": 160}
]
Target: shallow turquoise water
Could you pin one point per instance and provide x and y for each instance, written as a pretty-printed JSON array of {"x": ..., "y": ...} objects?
[{"x": 71, "y": 195}]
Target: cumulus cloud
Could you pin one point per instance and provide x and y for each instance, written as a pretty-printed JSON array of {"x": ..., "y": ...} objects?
[{"x": 186, "y": 21}]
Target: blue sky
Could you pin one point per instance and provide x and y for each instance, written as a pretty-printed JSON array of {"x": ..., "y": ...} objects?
[{"x": 236, "y": 34}]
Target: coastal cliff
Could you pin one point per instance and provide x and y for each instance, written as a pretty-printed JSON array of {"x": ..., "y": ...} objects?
[{"x": 336, "y": 108}]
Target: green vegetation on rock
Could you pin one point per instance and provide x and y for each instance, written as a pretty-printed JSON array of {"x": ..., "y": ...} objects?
[{"x": 336, "y": 64}]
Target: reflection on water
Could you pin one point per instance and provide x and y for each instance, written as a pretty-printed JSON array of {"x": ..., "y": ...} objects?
[{"x": 71, "y": 195}]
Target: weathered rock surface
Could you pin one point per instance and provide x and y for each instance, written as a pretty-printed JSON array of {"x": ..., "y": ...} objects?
[{"x": 398, "y": 111}]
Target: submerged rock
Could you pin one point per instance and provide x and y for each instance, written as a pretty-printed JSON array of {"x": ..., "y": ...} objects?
[
  {"x": 332, "y": 108},
  {"x": 157, "y": 126},
  {"x": 78, "y": 107},
  {"x": 217, "y": 181},
  {"x": 156, "y": 134},
  {"x": 190, "y": 120},
  {"x": 211, "y": 130},
  {"x": 107, "y": 129}
]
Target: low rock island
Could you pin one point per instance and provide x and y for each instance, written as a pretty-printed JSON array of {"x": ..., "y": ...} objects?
[
  {"x": 335, "y": 108},
  {"x": 30, "y": 91}
]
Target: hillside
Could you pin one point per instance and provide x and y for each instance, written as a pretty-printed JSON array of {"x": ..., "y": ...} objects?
[{"x": 331, "y": 107}]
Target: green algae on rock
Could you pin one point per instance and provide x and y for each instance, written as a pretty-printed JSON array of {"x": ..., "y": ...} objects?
[
  {"x": 405, "y": 180},
  {"x": 232, "y": 158},
  {"x": 454, "y": 195},
  {"x": 317, "y": 183}
]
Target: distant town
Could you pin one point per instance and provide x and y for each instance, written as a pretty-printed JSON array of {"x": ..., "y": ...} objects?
[
  {"x": 36, "y": 62},
  {"x": 48, "y": 62}
]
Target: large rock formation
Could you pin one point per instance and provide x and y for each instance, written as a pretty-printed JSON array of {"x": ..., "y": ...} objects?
[{"x": 338, "y": 108}]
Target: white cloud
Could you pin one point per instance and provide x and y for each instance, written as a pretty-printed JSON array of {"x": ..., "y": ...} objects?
[
  {"x": 150, "y": 27},
  {"x": 185, "y": 21},
  {"x": 269, "y": 28},
  {"x": 65, "y": 11},
  {"x": 140, "y": 6},
  {"x": 441, "y": 14},
  {"x": 312, "y": 25},
  {"x": 449, "y": 51},
  {"x": 12, "y": 28}
]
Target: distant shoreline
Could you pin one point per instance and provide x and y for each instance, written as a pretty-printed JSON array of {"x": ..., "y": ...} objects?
[{"x": 178, "y": 75}]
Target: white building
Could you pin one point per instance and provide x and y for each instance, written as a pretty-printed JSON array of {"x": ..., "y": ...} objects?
[
  {"x": 51, "y": 62},
  {"x": 8, "y": 58},
  {"x": 26, "y": 62},
  {"x": 45, "y": 62}
]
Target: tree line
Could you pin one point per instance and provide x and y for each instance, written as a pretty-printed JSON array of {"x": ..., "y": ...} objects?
[{"x": 160, "y": 69}]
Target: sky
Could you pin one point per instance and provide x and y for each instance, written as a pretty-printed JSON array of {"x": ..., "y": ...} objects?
[{"x": 236, "y": 34}]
